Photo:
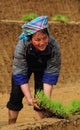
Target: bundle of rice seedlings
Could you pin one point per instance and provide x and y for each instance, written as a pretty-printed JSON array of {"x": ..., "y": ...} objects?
[
  {"x": 54, "y": 107},
  {"x": 57, "y": 108}
]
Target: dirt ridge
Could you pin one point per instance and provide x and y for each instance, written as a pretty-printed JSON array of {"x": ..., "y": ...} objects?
[{"x": 15, "y": 9}]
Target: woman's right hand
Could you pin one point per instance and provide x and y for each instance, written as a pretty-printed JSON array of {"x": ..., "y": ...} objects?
[{"x": 33, "y": 102}]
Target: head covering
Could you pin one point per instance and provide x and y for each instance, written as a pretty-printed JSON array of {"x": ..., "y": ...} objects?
[{"x": 34, "y": 26}]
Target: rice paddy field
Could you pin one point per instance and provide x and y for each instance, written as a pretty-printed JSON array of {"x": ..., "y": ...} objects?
[{"x": 68, "y": 36}]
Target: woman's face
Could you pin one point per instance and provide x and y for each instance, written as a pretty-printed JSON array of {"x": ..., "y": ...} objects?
[{"x": 40, "y": 41}]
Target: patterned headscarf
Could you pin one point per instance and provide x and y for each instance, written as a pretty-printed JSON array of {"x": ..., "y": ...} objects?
[{"x": 34, "y": 26}]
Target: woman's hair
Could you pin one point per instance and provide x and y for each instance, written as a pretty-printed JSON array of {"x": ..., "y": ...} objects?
[{"x": 44, "y": 31}]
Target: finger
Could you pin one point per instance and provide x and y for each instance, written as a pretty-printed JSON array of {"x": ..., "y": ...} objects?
[
  {"x": 36, "y": 105},
  {"x": 35, "y": 100}
]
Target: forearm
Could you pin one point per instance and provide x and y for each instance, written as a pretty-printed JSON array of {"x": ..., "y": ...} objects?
[{"x": 27, "y": 93}]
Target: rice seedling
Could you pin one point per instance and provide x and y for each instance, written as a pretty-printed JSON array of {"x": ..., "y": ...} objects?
[
  {"x": 29, "y": 17},
  {"x": 73, "y": 107},
  {"x": 61, "y": 18}
]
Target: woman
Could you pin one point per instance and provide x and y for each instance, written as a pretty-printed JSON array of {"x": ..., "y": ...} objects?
[{"x": 39, "y": 53}]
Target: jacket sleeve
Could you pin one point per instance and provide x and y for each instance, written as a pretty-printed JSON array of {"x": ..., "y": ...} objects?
[
  {"x": 52, "y": 71},
  {"x": 20, "y": 64}
]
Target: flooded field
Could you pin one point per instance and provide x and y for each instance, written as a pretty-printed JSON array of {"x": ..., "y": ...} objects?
[
  {"x": 26, "y": 120},
  {"x": 68, "y": 36}
]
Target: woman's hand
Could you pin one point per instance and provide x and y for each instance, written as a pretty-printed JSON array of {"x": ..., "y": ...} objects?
[
  {"x": 34, "y": 102},
  {"x": 27, "y": 93}
]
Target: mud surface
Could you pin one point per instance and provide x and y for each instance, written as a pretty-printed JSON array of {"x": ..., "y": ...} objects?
[{"x": 26, "y": 119}]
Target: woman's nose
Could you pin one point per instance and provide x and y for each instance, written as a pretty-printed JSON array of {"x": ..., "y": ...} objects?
[{"x": 42, "y": 42}]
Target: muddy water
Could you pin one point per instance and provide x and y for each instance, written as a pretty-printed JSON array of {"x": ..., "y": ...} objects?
[
  {"x": 46, "y": 124},
  {"x": 26, "y": 120}
]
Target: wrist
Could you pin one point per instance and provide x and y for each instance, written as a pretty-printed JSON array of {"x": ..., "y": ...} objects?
[{"x": 30, "y": 101}]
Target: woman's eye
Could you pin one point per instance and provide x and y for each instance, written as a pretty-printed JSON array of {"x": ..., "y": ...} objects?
[
  {"x": 44, "y": 38},
  {"x": 37, "y": 40}
]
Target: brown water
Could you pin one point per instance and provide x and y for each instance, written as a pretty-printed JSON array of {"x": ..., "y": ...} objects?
[{"x": 26, "y": 116}]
